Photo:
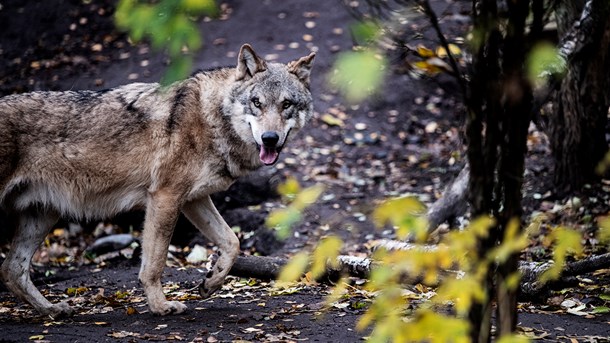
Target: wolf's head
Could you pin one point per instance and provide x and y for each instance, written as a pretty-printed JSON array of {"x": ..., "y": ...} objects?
[{"x": 269, "y": 101}]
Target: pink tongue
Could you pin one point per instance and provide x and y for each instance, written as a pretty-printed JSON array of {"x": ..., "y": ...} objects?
[{"x": 268, "y": 155}]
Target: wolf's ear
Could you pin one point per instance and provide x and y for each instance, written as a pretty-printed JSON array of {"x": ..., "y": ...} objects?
[
  {"x": 248, "y": 63},
  {"x": 302, "y": 67}
]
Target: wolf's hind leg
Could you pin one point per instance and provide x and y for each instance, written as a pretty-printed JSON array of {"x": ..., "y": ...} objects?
[
  {"x": 204, "y": 215},
  {"x": 33, "y": 226}
]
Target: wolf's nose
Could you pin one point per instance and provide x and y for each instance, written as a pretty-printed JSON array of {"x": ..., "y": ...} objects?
[{"x": 270, "y": 138}]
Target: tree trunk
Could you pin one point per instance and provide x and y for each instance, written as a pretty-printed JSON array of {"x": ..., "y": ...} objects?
[{"x": 577, "y": 125}]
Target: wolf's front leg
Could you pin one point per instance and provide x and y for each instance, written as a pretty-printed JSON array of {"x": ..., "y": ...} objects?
[
  {"x": 204, "y": 215},
  {"x": 161, "y": 215}
]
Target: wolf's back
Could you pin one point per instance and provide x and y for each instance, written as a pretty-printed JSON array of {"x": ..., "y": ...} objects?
[{"x": 60, "y": 148}]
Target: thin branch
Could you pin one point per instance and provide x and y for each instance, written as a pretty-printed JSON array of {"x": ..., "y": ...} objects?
[{"x": 434, "y": 21}]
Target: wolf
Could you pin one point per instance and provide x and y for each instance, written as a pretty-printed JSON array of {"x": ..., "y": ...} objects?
[{"x": 94, "y": 154}]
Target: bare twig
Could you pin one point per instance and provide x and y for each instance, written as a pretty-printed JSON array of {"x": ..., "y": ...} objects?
[{"x": 434, "y": 21}]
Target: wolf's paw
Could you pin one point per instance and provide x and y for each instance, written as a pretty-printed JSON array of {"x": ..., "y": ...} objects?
[
  {"x": 207, "y": 288},
  {"x": 59, "y": 310},
  {"x": 167, "y": 307}
]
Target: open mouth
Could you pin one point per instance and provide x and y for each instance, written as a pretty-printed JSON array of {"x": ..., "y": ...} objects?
[{"x": 269, "y": 155}]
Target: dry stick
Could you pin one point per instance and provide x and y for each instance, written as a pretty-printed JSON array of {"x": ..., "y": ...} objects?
[
  {"x": 453, "y": 203},
  {"x": 441, "y": 36}
]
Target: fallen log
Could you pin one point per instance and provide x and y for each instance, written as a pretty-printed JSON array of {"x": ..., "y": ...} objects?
[
  {"x": 268, "y": 268},
  {"x": 453, "y": 203}
]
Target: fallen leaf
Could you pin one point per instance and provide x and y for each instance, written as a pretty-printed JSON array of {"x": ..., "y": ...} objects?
[
  {"x": 131, "y": 311},
  {"x": 197, "y": 255},
  {"x": 331, "y": 120},
  {"x": 425, "y": 52}
]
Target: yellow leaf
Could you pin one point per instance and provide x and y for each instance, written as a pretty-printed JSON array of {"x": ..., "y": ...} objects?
[
  {"x": 604, "y": 230},
  {"x": 463, "y": 292},
  {"x": 397, "y": 210},
  {"x": 567, "y": 241},
  {"x": 72, "y": 291},
  {"x": 36, "y": 337},
  {"x": 295, "y": 268},
  {"x": 514, "y": 338},
  {"x": 426, "y": 67},
  {"x": 325, "y": 254},
  {"x": 307, "y": 197},
  {"x": 289, "y": 188},
  {"x": 480, "y": 226},
  {"x": 331, "y": 120},
  {"x": 200, "y": 6},
  {"x": 121, "y": 295},
  {"x": 454, "y": 49},
  {"x": 513, "y": 280},
  {"x": 424, "y": 52},
  {"x": 59, "y": 232},
  {"x": 338, "y": 291}
]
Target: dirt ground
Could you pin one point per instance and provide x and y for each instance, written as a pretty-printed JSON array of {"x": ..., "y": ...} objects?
[{"x": 406, "y": 140}]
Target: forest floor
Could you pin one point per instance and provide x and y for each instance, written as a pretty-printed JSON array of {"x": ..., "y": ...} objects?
[{"x": 405, "y": 140}]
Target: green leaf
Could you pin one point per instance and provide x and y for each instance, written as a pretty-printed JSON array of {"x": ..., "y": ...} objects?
[
  {"x": 357, "y": 74},
  {"x": 178, "y": 68},
  {"x": 543, "y": 62},
  {"x": 365, "y": 32},
  {"x": 200, "y": 7},
  {"x": 282, "y": 220},
  {"x": 605, "y": 297},
  {"x": 600, "y": 310},
  {"x": 168, "y": 26}
]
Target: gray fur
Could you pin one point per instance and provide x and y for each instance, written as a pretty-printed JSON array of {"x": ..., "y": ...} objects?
[{"x": 92, "y": 155}]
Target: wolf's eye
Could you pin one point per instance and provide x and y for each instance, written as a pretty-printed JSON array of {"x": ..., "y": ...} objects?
[
  {"x": 286, "y": 104},
  {"x": 256, "y": 102}
]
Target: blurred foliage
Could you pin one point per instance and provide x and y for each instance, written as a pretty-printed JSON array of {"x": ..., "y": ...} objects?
[
  {"x": 393, "y": 211},
  {"x": 283, "y": 219},
  {"x": 544, "y": 62},
  {"x": 434, "y": 61},
  {"x": 365, "y": 32},
  {"x": 358, "y": 74},
  {"x": 567, "y": 242},
  {"x": 604, "y": 165},
  {"x": 604, "y": 230},
  {"x": 454, "y": 265},
  {"x": 168, "y": 24}
]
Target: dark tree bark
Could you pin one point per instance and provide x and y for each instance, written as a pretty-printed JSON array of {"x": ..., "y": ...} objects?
[
  {"x": 577, "y": 126},
  {"x": 499, "y": 103}
]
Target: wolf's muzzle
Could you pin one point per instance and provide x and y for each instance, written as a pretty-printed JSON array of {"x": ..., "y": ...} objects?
[
  {"x": 270, "y": 138},
  {"x": 269, "y": 150}
]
